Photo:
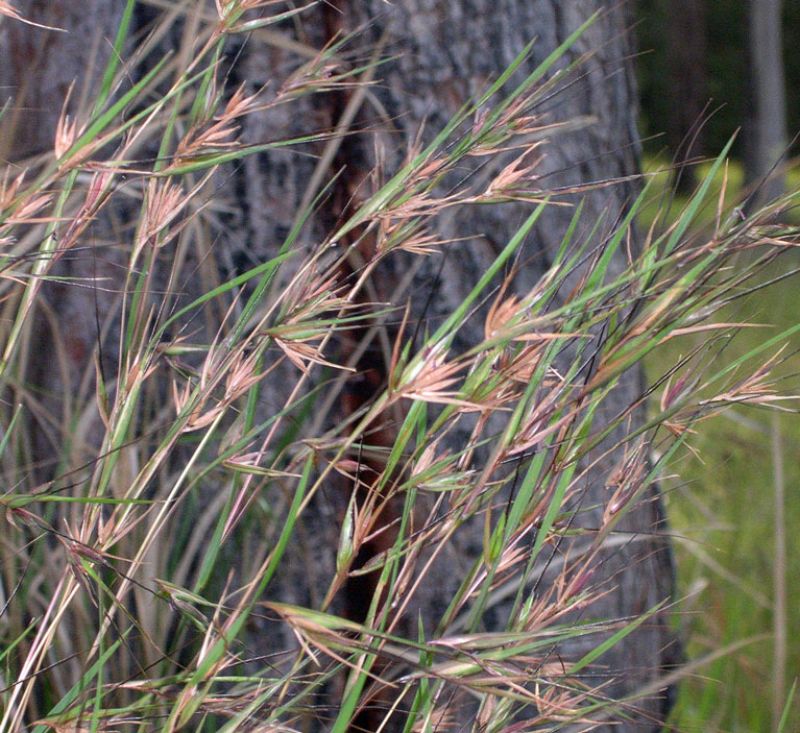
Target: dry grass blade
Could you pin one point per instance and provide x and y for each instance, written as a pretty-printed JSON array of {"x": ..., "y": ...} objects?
[{"x": 7, "y": 9}]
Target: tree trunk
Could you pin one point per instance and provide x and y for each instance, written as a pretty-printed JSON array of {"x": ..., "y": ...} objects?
[
  {"x": 687, "y": 84},
  {"x": 767, "y": 127},
  {"x": 444, "y": 52}
]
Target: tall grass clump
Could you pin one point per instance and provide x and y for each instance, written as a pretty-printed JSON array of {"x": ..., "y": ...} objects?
[
  {"x": 141, "y": 557},
  {"x": 732, "y": 518}
]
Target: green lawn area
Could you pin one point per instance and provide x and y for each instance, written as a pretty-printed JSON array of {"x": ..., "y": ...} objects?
[{"x": 722, "y": 508}]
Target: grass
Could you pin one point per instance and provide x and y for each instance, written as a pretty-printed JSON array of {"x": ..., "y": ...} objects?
[
  {"x": 150, "y": 557},
  {"x": 667, "y": 204},
  {"x": 722, "y": 509}
]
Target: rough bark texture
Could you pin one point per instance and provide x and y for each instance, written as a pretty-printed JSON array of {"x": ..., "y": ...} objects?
[
  {"x": 447, "y": 50},
  {"x": 40, "y": 71},
  {"x": 40, "y": 66}
]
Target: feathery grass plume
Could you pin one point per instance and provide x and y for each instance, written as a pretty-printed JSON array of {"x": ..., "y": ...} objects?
[{"x": 136, "y": 577}]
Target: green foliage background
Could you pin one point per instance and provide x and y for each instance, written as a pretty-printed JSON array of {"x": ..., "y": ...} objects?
[
  {"x": 722, "y": 512},
  {"x": 722, "y": 509}
]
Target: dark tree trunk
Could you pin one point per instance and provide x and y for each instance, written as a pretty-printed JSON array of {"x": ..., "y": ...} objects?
[
  {"x": 43, "y": 73},
  {"x": 687, "y": 83},
  {"x": 767, "y": 136},
  {"x": 446, "y": 51}
]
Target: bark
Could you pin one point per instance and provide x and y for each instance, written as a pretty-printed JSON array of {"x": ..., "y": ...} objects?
[
  {"x": 444, "y": 52},
  {"x": 447, "y": 52},
  {"x": 767, "y": 127},
  {"x": 42, "y": 74},
  {"x": 687, "y": 83},
  {"x": 40, "y": 66}
]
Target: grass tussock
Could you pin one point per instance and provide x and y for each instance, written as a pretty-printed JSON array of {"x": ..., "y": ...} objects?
[{"x": 141, "y": 556}]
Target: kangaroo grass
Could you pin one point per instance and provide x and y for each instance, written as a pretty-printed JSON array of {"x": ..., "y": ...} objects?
[{"x": 129, "y": 599}]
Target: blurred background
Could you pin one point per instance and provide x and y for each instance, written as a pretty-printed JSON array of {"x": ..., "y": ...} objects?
[{"x": 709, "y": 69}]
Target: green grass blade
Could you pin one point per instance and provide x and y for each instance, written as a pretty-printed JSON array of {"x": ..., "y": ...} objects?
[
  {"x": 114, "y": 56},
  {"x": 787, "y": 709},
  {"x": 613, "y": 640}
]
